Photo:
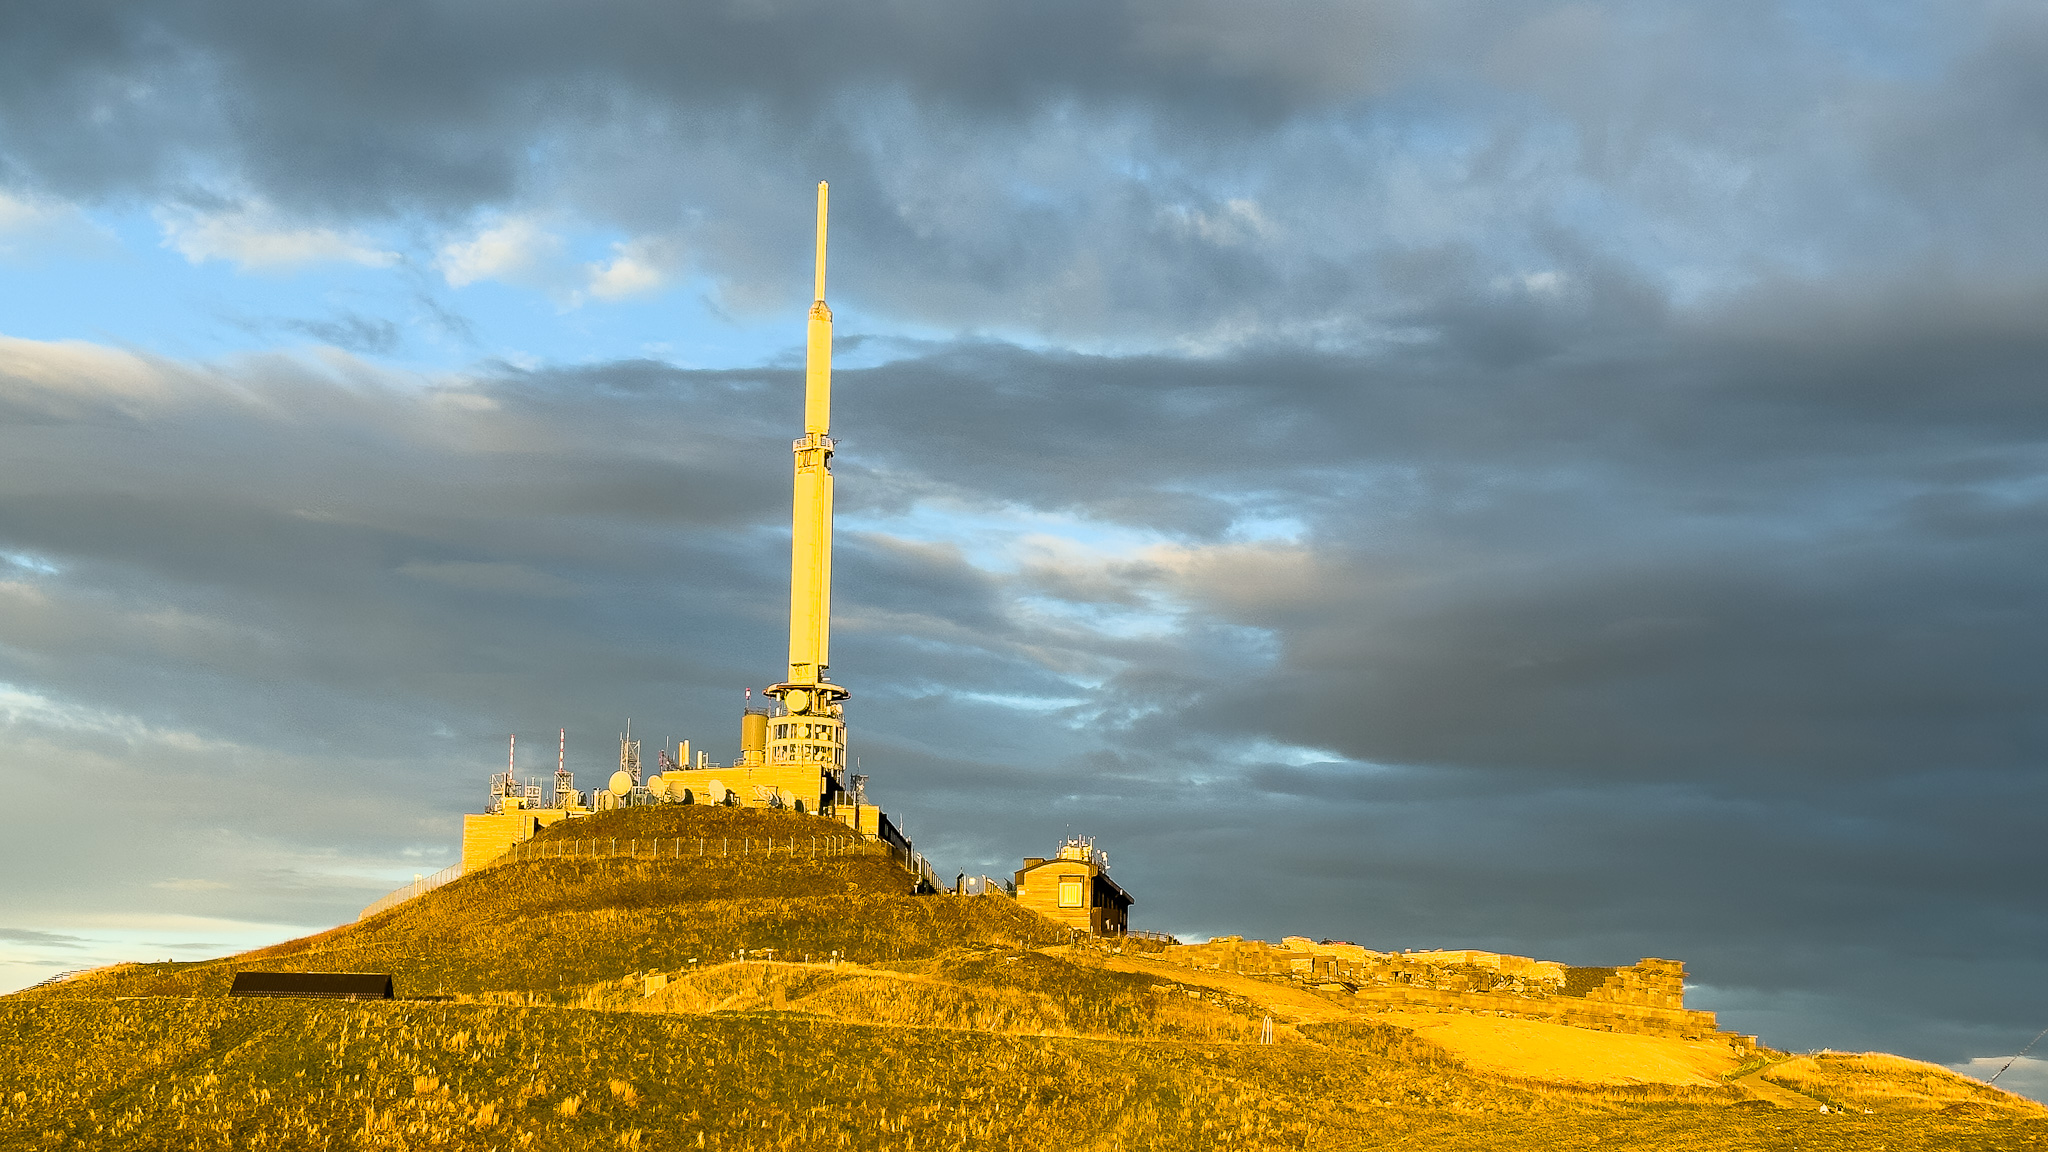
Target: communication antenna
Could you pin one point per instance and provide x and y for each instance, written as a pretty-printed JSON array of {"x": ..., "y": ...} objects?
[
  {"x": 565, "y": 784},
  {"x": 629, "y": 754}
]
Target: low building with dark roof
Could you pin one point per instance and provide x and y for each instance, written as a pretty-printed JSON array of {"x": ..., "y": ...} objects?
[{"x": 1074, "y": 889}]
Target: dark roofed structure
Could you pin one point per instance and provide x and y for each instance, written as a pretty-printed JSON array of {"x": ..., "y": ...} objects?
[{"x": 321, "y": 985}]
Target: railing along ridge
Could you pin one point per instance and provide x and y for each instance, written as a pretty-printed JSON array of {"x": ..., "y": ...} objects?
[
  {"x": 420, "y": 887},
  {"x": 681, "y": 847},
  {"x": 636, "y": 848}
]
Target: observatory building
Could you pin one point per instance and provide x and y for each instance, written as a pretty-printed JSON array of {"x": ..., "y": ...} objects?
[{"x": 792, "y": 751}]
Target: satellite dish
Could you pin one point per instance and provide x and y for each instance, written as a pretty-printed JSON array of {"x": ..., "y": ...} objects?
[
  {"x": 798, "y": 700},
  {"x": 787, "y": 797},
  {"x": 657, "y": 787},
  {"x": 606, "y": 801},
  {"x": 714, "y": 792},
  {"x": 621, "y": 784}
]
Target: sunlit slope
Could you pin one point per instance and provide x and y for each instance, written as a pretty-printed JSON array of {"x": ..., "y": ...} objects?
[{"x": 553, "y": 925}]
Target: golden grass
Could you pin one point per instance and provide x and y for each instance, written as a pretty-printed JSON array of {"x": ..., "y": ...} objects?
[
  {"x": 1880, "y": 1082},
  {"x": 221, "y": 1074}
]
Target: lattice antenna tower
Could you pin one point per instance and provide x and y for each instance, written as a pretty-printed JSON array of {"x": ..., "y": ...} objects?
[{"x": 629, "y": 754}]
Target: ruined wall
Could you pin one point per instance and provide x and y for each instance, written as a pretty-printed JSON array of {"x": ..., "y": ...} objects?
[{"x": 1647, "y": 998}]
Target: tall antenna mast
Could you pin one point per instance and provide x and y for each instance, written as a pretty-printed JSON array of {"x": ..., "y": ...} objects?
[{"x": 807, "y": 692}]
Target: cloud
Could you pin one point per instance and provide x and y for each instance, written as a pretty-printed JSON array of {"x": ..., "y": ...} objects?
[
  {"x": 69, "y": 377},
  {"x": 637, "y": 268},
  {"x": 2024, "y": 1075},
  {"x": 1186, "y": 180},
  {"x": 516, "y": 250},
  {"x": 183, "y": 885},
  {"x": 351, "y": 332},
  {"x": 34, "y": 229},
  {"x": 258, "y": 240},
  {"x": 481, "y": 576},
  {"x": 39, "y": 939}
]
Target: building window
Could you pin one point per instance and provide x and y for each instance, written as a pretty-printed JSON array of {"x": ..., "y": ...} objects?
[{"x": 1070, "y": 891}]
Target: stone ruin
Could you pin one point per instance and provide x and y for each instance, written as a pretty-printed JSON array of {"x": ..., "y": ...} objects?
[{"x": 1645, "y": 998}]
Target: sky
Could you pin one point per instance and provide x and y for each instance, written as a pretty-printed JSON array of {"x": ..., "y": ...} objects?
[{"x": 1568, "y": 479}]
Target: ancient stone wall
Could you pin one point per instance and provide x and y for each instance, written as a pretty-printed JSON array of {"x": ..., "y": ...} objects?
[{"x": 1646, "y": 998}]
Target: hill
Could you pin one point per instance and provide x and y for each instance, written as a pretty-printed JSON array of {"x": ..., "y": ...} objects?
[{"x": 770, "y": 997}]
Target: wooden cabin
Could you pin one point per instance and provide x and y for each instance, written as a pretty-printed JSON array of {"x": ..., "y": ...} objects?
[{"x": 1074, "y": 888}]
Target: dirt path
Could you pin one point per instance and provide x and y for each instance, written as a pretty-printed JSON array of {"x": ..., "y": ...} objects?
[{"x": 1762, "y": 1089}]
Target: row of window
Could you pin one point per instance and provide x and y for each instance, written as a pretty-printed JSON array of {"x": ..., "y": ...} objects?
[
  {"x": 807, "y": 753},
  {"x": 807, "y": 732}
]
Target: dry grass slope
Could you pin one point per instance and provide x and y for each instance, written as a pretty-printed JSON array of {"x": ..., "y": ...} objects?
[{"x": 940, "y": 1025}]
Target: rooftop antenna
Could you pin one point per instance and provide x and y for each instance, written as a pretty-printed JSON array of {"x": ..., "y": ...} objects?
[{"x": 565, "y": 784}]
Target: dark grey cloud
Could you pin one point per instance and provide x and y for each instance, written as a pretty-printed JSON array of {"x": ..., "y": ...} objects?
[
  {"x": 1145, "y": 171},
  {"x": 39, "y": 939}
]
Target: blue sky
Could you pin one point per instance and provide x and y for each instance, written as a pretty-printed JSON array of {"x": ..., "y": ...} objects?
[{"x": 203, "y": 289}]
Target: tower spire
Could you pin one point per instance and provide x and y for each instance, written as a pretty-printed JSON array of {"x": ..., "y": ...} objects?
[{"x": 810, "y": 544}]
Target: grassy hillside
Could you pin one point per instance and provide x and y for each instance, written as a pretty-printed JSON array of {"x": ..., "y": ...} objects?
[
  {"x": 556, "y": 925},
  {"x": 942, "y": 1023}
]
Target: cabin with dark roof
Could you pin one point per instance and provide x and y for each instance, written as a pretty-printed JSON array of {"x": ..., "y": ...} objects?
[{"x": 1074, "y": 889}]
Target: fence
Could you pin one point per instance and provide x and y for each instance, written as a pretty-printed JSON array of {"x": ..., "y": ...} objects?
[
  {"x": 984, "y": 886},
  {"x": 676, "y": 848},
  {"x": 914, "y": 863},
  {"x": 636, "y": 849},
  {"x": 59, "y": 978},
  {"x": 419, "y": 887}
]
